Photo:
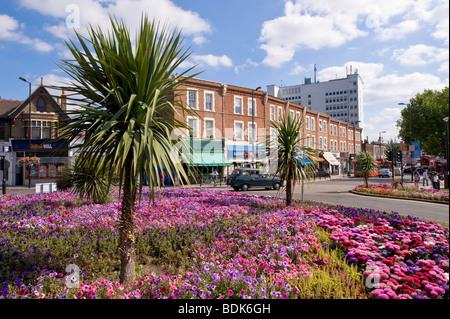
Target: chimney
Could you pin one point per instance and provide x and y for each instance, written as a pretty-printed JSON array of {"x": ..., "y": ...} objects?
[{"x": 63, "y": 101}]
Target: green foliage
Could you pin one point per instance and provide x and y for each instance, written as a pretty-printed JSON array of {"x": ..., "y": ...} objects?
[
  {"x": 427, "y": 126},
  {"x": 64, "y": 181},
  {"x": 290, "y": 155},
  {"x": 365, "y": 163}
]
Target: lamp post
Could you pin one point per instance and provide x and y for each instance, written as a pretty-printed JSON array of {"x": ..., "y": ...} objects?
[
  {"x": 253, "y": 126},
  {"x": 379, "y": 141},
  {"x": 446, "y": 181},
  {"x": 29, "y": 128},
  {"x": 410, "y": 132}
]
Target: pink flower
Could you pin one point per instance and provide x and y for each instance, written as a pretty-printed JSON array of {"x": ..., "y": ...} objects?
[
  {"x": 325, "y": 261},
  {"x": 242, "y": 292},
  {"x": 230, "y": 292}
]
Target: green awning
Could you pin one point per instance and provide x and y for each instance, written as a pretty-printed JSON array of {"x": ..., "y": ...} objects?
[{"x": 206, "y": 159}]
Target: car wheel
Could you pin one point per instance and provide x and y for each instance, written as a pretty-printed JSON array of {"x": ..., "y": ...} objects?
[
  {"x": 244, "y": 187},
  {"x": 276, "y": 186}
]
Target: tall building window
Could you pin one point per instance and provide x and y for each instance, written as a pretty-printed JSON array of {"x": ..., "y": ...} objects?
[
  {"x": 313, "y": 124},
  {"x": 209, "y": 101},
  {"x": 272, "y": 113},
  {"x": 193, "y": 127},
  {"x": 209, "y": 128},
  {"x": 237, "y": 105},
  {"x": 252, "y": 107},
  {"x": 192, "y": 99},
  {"x": 239, "y": 130},
  {"x": 307, "y": 123},
  {"x": 252, "y": 132}
]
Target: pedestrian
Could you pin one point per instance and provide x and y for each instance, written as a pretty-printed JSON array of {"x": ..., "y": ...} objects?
[
  {"x": 436, "y": 182},
  {"x": 161, "y": 179},
  {"x": 425, "y": 177},
  {"x": 416, "y": 179},
  {"x": 214, "y": 176}
]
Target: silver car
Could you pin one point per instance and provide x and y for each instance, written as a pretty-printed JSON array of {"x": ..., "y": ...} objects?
[{"x": 385, "y": 172}]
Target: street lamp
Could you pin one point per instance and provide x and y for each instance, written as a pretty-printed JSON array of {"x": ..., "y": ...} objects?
[
  {"x": 29, "y": 128},
  {"x": 379, "y": 141},
  {"x": 410, "y": 132},
  {"x": 446, "y": 181},
  {"x": 253, "y": 126}
]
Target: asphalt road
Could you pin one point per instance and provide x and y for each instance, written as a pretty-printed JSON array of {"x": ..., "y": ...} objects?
[{"x": 337, "y": 192}]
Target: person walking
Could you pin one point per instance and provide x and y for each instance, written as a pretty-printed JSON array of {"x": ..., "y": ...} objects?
[
  {"x": 436, "y": 182},
  {"x": 214, "y": 177},
  {"x": 161, "y": 179},
  {"x": 416, "y": 179},
  {"x": 425, "y": 177}
]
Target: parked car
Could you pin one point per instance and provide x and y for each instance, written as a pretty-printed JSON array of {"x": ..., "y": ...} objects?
[
  {"x": 245, "y": 178},
  {"x": 385, "y": 172}
]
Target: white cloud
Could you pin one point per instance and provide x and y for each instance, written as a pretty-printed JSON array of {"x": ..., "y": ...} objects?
[
  {"x": 248, "y": 63},
  {"x": 212, "y": 60},
  {"x": 11, "y": 30},
  {"x": 97, "y": 13},
  {"x": 397, "y": 31},
  {"x": 317, "y": 24},
  {"x": 420, "y": 54}
]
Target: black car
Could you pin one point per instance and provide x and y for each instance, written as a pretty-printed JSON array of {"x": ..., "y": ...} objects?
[{"x": 245, "y": 178}]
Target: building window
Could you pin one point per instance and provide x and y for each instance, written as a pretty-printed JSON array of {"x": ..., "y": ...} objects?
[
  {"x": 313, "y": 141},
  {"x": 239, "y": 130},
  {"x": 313, "y": 124},
  {"x": 320, "y": 125},
  {"x": 40, "y": 105},
  {"x": 320, "y": 143},
  {"x": 209, "y": 128},
  {"x": 272, "y": 113},
  {"x": 2, "y": 131},
  {"x": 193, "y": 130},
  {"x": 192, "y": 99},
  {"x": 308, "y": 141},
  {"x": 237, "y": 105},
  {"x": 209, "y": 101},
  {"x": 280, "y": 113},
  {"x": 307, "y": 123}
]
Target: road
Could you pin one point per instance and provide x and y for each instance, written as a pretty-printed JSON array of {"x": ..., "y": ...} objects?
[{"x": 336, "y": 191}]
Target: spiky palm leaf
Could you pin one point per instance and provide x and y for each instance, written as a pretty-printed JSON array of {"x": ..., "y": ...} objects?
[
  {"x": 290, "y": 155},
  {"x": 125, "y": 104},
  {"x": 365, "y": 163}
]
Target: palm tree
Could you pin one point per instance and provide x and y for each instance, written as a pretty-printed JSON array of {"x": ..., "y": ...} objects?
[
  {"x": 365, "y": 163},
  {"x": 126, "y": 99},
  {"x": 295, "y": 162}
]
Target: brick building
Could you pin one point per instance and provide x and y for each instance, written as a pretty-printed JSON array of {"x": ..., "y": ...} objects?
[
  {"x": 15, "y": 141},
  {"x": 225, "y": 122}
]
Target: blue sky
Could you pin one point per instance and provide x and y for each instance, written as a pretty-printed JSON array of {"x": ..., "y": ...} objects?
[{"x": 399, "y": 47}]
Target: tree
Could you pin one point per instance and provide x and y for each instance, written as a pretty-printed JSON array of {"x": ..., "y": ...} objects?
[
  {"x": 126, "y": 102},
  {"x": 427, "y": 126},
  {"x": 365, "y": 163},
  {"x": 295, "y": 162},
  {"x": 393, "y": 147}
]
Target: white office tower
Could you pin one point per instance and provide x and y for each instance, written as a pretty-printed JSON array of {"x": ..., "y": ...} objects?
[{"x": 342, "y": 99}]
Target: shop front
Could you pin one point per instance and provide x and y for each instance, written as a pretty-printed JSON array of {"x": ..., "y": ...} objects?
[{"x": 38, "y": 162}]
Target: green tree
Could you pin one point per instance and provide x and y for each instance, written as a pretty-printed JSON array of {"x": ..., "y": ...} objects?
[
  {"x": 125, "y": 101},
  {"x": 391, "y": 146},
  {"x": 427, "y": 126},
  {"x": 365, "y": 163},
  {"x": 295, "y": 162}
]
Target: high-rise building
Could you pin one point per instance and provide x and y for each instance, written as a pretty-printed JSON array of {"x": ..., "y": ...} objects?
[{"x": 341, "y": 99}]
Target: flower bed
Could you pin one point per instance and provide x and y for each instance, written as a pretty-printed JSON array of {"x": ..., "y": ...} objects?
[
  {"x": 218, "y": 245},
  {"x": 407, "y": 191}
]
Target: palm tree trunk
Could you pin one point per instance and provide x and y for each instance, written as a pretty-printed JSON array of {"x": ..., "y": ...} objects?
[
  {"x": 126, "y": 230},
  {"x": 289, "y": 190}
]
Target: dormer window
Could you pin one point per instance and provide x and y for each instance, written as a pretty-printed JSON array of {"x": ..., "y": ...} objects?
[{"x": 40, "y": 105}]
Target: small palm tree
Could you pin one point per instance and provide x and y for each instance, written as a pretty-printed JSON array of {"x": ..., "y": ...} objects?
[
  {"x": 126, "y": 100},
  {"x": 295, "y": 162},
  {"x": 365, "y": 163}
]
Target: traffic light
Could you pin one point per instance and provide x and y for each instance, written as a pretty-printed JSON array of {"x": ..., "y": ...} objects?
[
  {"x": 390, "y": 155},
  {"x": 2, "y": 163},
  {"x": 399, "y": 156}
]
